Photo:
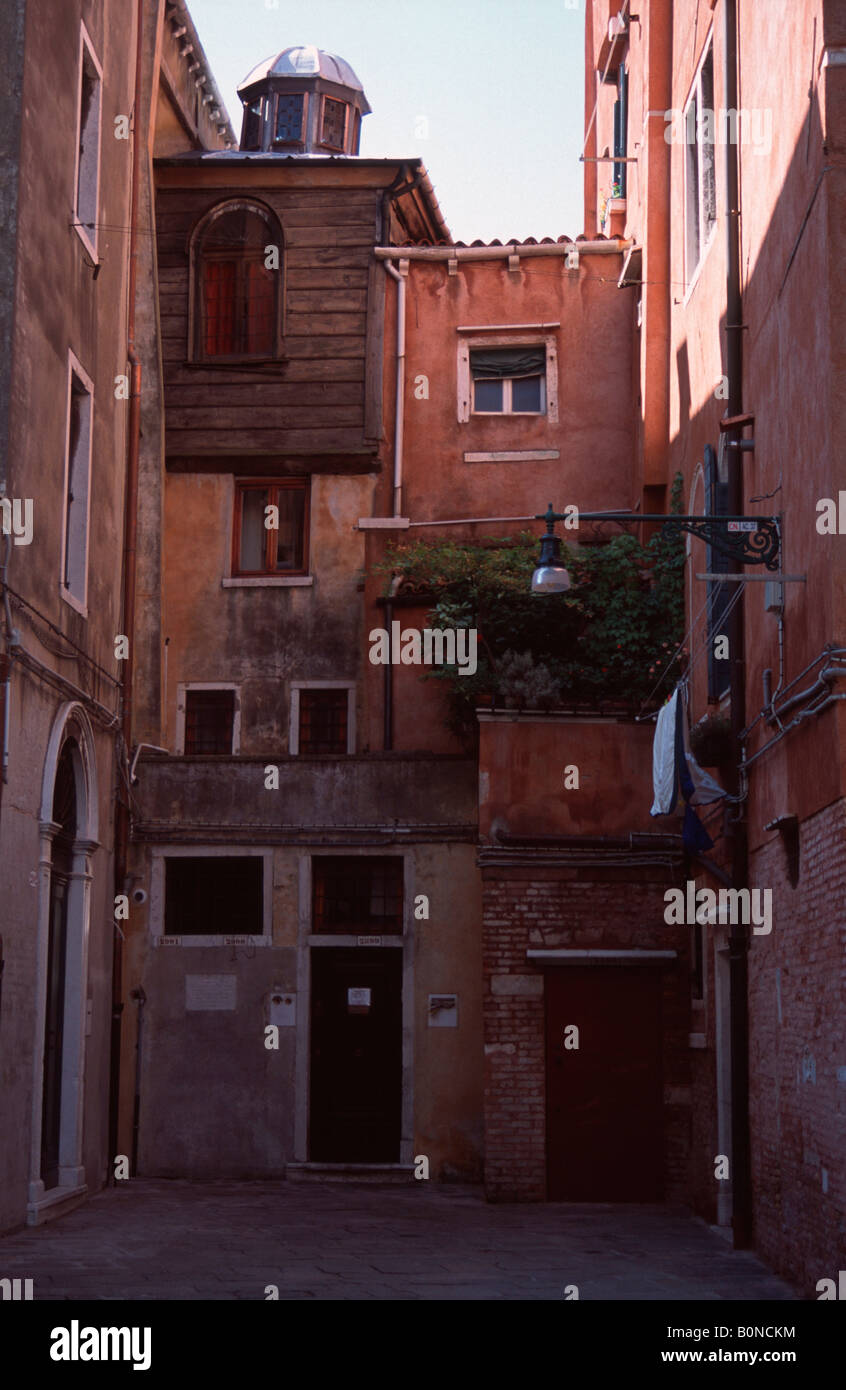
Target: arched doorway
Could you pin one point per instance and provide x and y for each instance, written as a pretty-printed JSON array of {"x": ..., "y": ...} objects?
[
  {"x": 68, "y": 836},
  {"x": 61, "y": 867}
]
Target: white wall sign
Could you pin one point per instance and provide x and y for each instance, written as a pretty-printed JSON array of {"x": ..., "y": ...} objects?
[{"x": 207, "y": 992}]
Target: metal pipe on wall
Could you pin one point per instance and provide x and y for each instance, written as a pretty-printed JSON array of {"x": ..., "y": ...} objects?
[
  {"x": 738, "y": 940},
  {"x": 129, "y": 575}
]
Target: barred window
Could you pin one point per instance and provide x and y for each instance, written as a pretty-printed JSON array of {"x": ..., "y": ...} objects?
[
  {"x": 209, "y": 721},
  {"x": 354, "y": 894},
  {"x": 323, "y": 721}
]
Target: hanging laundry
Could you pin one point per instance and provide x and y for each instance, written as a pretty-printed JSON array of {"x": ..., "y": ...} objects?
[{"x": 675, "y": 771}]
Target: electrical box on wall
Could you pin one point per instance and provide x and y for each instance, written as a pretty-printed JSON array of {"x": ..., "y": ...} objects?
[
  {"x": 283, "y": 1008},
  {"x": 774, "y": 597},
  {"x": 443, "y": 1010}
]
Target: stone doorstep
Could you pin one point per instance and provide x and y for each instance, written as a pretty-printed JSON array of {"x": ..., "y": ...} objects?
[
  {"x": 58, "y": 1201},
  {"x": 399, "y": 1173}
]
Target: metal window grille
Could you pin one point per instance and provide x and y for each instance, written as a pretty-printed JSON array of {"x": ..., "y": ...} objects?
[
  {"x": 323, "y": 721},
  {"x": 209, "y": 721},
  {"x": 357, "y": 894}
]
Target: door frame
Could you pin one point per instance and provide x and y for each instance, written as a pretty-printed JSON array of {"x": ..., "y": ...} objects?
[
  {"x": 306, "y": 943},
  {"x": 71, "y": 721}
]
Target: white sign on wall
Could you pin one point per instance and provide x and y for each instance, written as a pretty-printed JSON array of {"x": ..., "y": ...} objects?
[{"x": 208, "y": 992}]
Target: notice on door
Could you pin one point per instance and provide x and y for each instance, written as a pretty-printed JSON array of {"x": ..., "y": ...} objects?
[{"x": 358, "y": 1001}]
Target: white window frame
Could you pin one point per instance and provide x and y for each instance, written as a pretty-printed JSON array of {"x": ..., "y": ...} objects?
[
  {"x": 86, "y": 46},
  {"x": 704, "y": 243},
  {"x": 294, "y": 725},
  {"x": 231, "y": 851},
  {"x": 76, "y": 369},
  {"x": 181, "y": 690},
  {"x": 472, "y": 338},
  {"x": 507, "y": 386}
]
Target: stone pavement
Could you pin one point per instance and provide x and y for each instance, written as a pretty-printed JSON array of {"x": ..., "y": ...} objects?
[{"x": 159, "y": 1239}]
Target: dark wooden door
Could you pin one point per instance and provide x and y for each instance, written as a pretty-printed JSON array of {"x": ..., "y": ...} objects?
[
  {"x": 604, "y": 1098},
  {"x": 356, "y": 1055},
  {"x": 51, "y": 1098}
]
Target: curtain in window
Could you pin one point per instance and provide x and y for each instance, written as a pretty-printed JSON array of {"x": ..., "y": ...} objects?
[
  {"x": 260, "y": 298},
  {"x": 507, "y": 362},
  {"x": 219, "y": 281}
]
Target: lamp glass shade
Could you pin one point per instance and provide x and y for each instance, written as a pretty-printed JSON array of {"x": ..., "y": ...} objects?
[{"x": 550, "y": 579}]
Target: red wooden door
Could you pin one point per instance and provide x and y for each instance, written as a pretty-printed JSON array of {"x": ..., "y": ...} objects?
[{"x": 604, "y": 1098}]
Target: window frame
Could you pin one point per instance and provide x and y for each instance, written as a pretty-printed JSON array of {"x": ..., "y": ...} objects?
[
  {"x": 507, "y": 391},
  {"x": 274, "y": 141},
  {"x": 704, "y": 243},
  {"x": 327, "y": 144},
  {"x": 156, "y": 917},
  {"x": 294, "y": 720},
  {"x": 519, "y": 336},
  {"x": 196, "y": 304},
  {"x": 75, "y": 369},
  {"x": 86, "y": 48},
  {"x": 182, "y": 690},
  {"x": 269, "y": 485},
  {"x": 335, "y": 861}
]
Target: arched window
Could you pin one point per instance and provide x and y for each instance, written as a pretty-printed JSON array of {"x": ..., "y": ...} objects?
[{"x": 238, "y": 279}]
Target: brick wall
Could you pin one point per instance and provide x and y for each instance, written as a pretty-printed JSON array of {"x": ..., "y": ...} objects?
[
  {"x": 797, "y": 976},
  {"x": 585, "y": 908}
]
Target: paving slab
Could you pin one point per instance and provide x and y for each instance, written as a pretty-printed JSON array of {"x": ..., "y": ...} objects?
[{"x": 179, "y": 1240}]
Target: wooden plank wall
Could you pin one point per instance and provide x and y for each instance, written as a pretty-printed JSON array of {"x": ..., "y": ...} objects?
[{"x": 313, "y": 401}]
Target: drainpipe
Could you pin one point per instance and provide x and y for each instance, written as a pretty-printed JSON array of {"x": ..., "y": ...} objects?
[
  {"x": 138, "y": 998},
  {"x": 401, "y": 277},
  {"x": 12, "y": 640},
  {"x": 738, "y": 935},
  {"x": 129, "y": 567}
]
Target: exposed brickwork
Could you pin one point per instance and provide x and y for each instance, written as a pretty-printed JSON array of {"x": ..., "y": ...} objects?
[
  {"x": 525, "y": 908},
  {"x": 797, "y": 1103}
]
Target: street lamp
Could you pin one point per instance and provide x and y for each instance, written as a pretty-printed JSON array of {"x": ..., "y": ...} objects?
[
  {"x": 747, "y": 540},
  {"x": 550, "y": 577}
]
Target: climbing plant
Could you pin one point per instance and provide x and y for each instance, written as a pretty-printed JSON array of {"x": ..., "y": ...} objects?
[{"x": 607, "y": 640}]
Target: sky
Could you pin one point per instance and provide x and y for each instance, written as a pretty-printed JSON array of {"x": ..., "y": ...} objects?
[{"x": 489, "y": 93}]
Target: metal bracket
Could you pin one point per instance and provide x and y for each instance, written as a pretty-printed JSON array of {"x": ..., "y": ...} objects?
[{"x": 748, "y": 540}]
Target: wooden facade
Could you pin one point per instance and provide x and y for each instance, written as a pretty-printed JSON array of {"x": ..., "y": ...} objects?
[{"x": 320, "y": 400}]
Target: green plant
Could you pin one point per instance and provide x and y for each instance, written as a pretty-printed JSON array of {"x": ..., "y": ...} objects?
[{"x": 611, "y": 637}]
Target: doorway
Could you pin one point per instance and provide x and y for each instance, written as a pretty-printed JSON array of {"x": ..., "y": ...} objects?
[
  {"x": 61, "y": 867},
  {"x": 604, "y": 1096},
  {"x": 356, "y": 1055}
]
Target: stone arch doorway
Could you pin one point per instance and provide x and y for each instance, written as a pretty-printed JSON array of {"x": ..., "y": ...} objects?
[{"x": 68, "y": 841}]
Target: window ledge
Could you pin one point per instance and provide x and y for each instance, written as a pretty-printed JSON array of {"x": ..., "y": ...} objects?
[
  {"x": 90, "y": 246},
  {"x": 269, "y": 581}
]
